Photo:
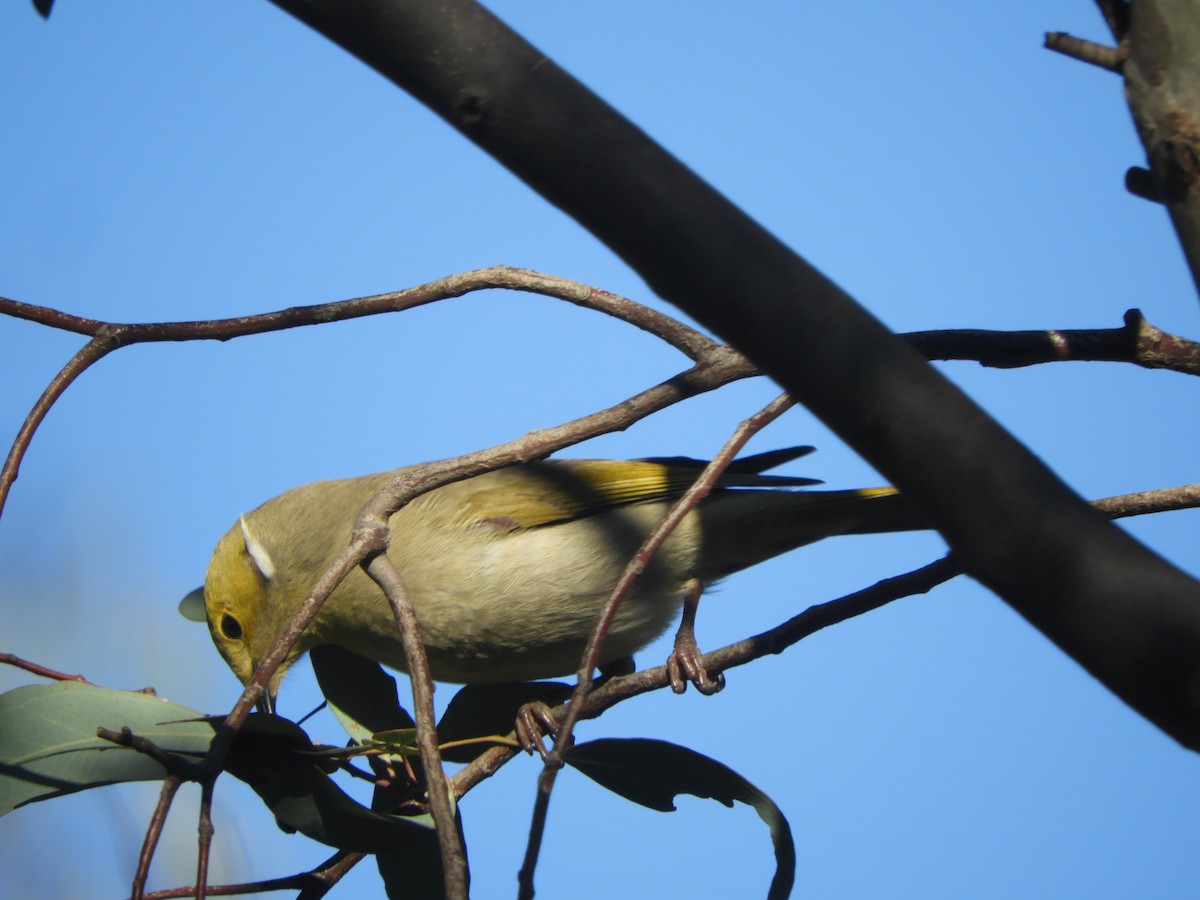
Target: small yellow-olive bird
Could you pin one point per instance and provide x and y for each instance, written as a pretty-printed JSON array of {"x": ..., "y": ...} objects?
[{"x": 508, "y": 571}]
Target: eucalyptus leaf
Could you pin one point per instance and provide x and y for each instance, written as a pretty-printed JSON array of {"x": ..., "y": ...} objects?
[
  {"x": 273, "y": 756},
  {"x": 360, "y": 693},
  {"x": 652, "y": 773},
  {"x": 49, "y": 747}
]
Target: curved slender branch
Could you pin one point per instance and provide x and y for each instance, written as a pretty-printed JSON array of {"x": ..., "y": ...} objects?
[
  {"x": 109, "y": 336},
  {"x": 11, "y": 659},
  {"x": 95, "y": 349},
  {"x": 313, "y": 884}
]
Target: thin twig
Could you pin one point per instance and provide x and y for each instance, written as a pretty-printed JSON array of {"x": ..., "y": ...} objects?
[
  {"x": 173, "y": 763},
  {"x": 153, "y": 833},
  {"x": 312, "y": 885},
  {"x": 89, "y": 353},
  {"x": 11, "y": 659},
  {"x": 205, "y": 831},
  {"x": 387, "y": 576},
  {"x": 1142, "y": 503}
]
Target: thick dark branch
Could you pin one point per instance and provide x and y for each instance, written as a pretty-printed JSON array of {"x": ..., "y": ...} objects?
[{"x": 1125, "y": 614}]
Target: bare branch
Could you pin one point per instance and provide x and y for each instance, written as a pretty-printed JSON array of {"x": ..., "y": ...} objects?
[
  {"x": 389, "y": 579},
  {"x": 11, "y": 659},
  {"x": 175, "y": 765},
  {"x": 153, "y": 833},
  {"x": 1146, "y": 502},
  {"x": 1138, "y": 342},
  {"x": 1108, "y": 58},
  {"x": 93, "y": 350},
  {"x": 312, "y": 885}
]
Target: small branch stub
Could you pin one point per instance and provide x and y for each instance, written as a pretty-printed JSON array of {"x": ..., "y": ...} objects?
[
  {"x": 1111, "y": 59},
  {"x": 1140, "y": 183}
]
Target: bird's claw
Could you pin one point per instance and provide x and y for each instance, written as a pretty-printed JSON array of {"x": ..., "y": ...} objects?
[
  {"x": 534, "y": 721},
  {"x": 683, "y": 665}
]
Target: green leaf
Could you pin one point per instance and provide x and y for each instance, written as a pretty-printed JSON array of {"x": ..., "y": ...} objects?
[
  {"x": 271, "y": 754},
  {"x": 653, "y": 773},
  {"x": 48, "y": 743},
  {"x": 359, "y": 692},
  {"x": 485, "y": 710},
  {"x": 48, "y": 747}
]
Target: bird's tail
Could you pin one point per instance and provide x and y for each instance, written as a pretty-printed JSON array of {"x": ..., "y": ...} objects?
[{"x": 743, "y": 528}]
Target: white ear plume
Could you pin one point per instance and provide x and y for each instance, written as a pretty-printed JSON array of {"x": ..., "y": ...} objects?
[{"x": 258, "y": 553}]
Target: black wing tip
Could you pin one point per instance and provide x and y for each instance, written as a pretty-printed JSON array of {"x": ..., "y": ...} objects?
[
  {"x": 743, "y": 465},
  {"x": 771, "y": 459}
]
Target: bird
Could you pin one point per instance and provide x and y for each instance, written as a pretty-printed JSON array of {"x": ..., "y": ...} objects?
[{"x": 507, "y": 571}]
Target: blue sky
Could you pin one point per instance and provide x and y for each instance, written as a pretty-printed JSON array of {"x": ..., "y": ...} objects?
[{"x": 195, "y": 160}]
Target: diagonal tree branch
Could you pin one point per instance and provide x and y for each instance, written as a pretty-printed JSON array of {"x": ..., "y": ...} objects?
[{"x": 1122, "y": 612}]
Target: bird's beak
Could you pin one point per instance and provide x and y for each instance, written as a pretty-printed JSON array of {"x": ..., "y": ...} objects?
[
  {"x": 266, "y": 703},
  {"x": 266, "y": 700}
]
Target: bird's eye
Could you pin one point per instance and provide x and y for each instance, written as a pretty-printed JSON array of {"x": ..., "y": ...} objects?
[{"x": 231, "y": 627}]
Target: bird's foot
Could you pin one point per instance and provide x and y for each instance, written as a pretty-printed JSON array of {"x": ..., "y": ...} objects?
[
  {"x": 534, "y": 721},
  {"x": 684, "y": 665}
]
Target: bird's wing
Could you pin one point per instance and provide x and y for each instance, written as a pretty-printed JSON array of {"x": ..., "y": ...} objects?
[{"x": 544, "y": 493}]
